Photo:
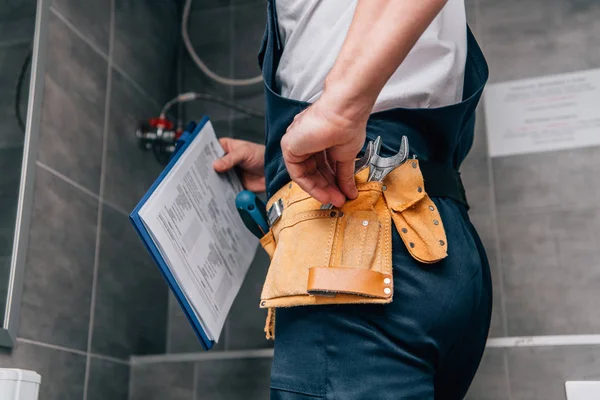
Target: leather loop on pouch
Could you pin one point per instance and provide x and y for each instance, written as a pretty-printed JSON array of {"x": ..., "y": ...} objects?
[{"x": 328, "y": 280}]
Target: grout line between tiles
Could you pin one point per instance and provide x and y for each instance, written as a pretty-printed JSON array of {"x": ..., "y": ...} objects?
[
  {"x": 115, "y": 207},
  {"x": 507, "y": 374},
  {"x": 130, "y": 385},
  {"x": 545, "y": 340},
  {"x": 51, "y": 346},
  {"x": 109, "y": 358},
  {"x": 104, "y": 55},
  {"x": 67, "y": 179},
  {"x": 195, "y": 382},
  {"x": 136, "y": 85},
  {"x": 78, "y": 32},
  {"x": 100, "y": 205},
  {"x": 206, "y": 356}
]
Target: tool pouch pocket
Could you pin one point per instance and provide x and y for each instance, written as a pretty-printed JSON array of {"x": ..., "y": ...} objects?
[
  {"x": 329, "y": 256},
  {"x": 415, "y": 215}
]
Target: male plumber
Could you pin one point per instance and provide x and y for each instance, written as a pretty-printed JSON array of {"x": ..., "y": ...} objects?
[{"x": 339, "y": 74}]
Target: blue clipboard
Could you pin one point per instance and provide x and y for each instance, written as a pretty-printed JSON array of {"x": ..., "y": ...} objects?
[{"x": 182, "y": 144}]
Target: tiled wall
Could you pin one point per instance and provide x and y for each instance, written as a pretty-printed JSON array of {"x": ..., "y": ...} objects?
[
  {"x": 16, "y": 36},
  {"x": 537, "y": 214},
  {"x": 226, "y": 35},
  {"x": 225, "y": 379},
  {"x": 92, "y": 296}
]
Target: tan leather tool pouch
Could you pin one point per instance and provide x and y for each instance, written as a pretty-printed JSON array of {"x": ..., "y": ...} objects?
[{"x": 344, "y": 255}]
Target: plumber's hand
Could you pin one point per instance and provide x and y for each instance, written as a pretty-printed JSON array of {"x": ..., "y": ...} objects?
[
  {"x": 319, "y": 149},
  {"x": 248, "y": 157}
]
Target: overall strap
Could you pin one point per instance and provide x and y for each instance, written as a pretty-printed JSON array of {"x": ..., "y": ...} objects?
[{"x": 271, "y": 48}]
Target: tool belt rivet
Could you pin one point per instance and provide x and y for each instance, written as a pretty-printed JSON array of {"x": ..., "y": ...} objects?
[
  {"x": 387, "y": 290},
  {"x": 387, "y": 281}
]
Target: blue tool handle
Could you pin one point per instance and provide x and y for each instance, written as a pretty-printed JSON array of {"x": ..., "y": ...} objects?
[{"x": 253, "y": 212}]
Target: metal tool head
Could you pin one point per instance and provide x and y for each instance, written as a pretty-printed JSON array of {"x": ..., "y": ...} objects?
[
  {"x": 380, "y": 167},
  {"x": 364, "y": 161}
]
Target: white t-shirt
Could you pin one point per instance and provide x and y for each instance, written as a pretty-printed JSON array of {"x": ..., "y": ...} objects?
[{"x": 313, "y": 31}]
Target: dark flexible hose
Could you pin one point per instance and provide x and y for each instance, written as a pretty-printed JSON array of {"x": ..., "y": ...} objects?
[{"x": 19, "y": 89}]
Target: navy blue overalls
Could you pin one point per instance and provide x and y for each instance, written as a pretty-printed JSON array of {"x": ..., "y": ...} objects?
[{"x": 427, "y": 343}]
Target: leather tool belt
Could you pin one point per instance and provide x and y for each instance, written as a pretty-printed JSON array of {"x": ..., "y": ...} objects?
[{"x": 341, "y": 256}]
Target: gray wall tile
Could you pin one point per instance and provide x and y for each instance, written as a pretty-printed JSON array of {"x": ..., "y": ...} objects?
[
  {"x": 247, "y": 379},
  {"x": 10, "y": 165},
  {"x": 181, "y": 336},
  {"x": 558, "y": 178},
  {"x": 541, "y": 372},
  {"x": 210, "y": 35},
  {"x": 208, "y": 4},
  {"x": 248, "y": 128},
  {"x": 475, "y": 170},
  {"x": 491, "y": 381},
  {"x": 148, "y": 58},
  {"x": 223, "y": 128},
  {"x": 471, "y": 10},
  {"x": 17, "y": 20},
  {"x": 173, "y": 381},
  {"x": 248, "y": 28},
  {"x": 62, "y": 372},
  {"x": 539, "y": 37},
  {"x": 58, "y": 276},
  {"x": 4, "y": 276},
  {"x": 246, "y": 319},
  {"x": 11, "y": 62},
  {"x": 108, "y": 380},
  {"x": 550, "y": 273},
  {"x": 91, "y": 18},
  {"x": 129, "y": 170},
  {"x": 131, "y": 296},
  {"x": 485, "y": 227},
  {"x": 73, "y": 113}
]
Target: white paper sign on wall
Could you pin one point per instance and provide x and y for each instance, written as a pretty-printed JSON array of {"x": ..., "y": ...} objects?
[
  {"x": 543, "y": 114},
  {"x": 582, "y": 390}
]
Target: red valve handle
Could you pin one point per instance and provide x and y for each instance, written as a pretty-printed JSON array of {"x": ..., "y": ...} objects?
[{"x": 161, "y": 123}]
